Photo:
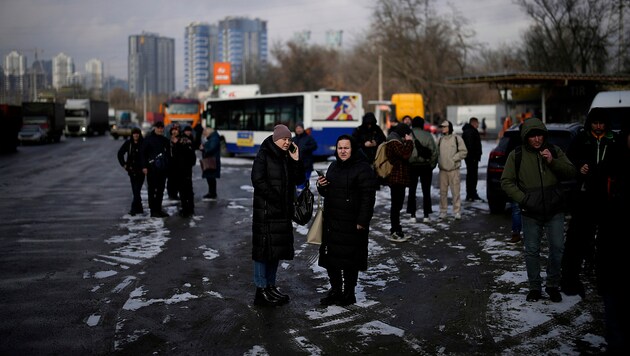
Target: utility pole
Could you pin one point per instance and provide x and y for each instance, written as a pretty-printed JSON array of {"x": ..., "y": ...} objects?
[{"x": 380, "y": 77}]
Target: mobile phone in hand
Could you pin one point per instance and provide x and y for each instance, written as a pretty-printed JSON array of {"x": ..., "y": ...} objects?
[
  {"x": 292, "y": 148},
  {"x": 319, "y": 173}
]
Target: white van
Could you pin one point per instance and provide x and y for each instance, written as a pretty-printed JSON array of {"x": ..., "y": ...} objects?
[{"x": 617, "y": 106}]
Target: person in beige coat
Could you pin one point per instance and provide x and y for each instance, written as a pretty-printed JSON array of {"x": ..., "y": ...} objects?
[{"x": 451, "y": 151}]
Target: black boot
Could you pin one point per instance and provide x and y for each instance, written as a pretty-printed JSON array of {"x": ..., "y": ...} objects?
[
  {"x": 275, "y": 292},
  {"x": 264, "y": 298},
  {"x": 334, "y": 296},
  {"x": 348, "y": 296}
]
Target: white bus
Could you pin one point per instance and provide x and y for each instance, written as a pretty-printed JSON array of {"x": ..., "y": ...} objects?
[{"x": 244, "y": 123}]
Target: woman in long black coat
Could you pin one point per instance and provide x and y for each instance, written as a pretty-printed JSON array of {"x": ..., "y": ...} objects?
[
  {"x": 349, "y": 193},
  {"x": 275, "y": 173}
]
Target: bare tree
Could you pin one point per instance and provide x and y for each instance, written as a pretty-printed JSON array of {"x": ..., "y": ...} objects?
[
  {"x": 421, "y": 48},
  {"x": 303, "y": 67},
  {"x": 569, "y": 35}
]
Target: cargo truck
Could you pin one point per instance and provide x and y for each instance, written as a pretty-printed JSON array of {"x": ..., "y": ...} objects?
[
  {"x": 86, "y": 117},
  {"x": 50, "y": 117}
]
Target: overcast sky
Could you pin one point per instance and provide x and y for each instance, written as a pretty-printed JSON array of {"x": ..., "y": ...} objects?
[{"x": 85, "y": 29}]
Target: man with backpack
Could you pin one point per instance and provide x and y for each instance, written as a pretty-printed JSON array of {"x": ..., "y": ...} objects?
[
  {"x": 421, "y": 164},
  {"x": 452, "y": 150},
  {"x": 535, "y": 186},
  {"x": 398, "y": 150}
]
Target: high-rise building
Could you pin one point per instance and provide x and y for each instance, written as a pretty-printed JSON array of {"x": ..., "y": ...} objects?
[
  {"x": 200, "y": 52},
  {"x": 151, "y": 64},
  {"x": 94, "y": 75},
  {"x": 15, "y": 79},
  {"x": 43, "y": 72},
  {"x": 243, "y": 43},
  {"x": 63, "y": 70}
]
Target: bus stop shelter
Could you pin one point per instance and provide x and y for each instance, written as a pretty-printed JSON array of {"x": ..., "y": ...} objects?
[{"x": 571, "y": 90}]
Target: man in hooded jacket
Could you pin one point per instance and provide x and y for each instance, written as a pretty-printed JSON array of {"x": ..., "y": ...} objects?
[
  {"x": 595, "y": 153},
  {"x": 536, "y": 188},
  {"x": 369, "y": 135}
]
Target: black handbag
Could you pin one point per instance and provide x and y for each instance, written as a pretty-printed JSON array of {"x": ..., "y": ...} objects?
[{"x": 303, "y": 209}]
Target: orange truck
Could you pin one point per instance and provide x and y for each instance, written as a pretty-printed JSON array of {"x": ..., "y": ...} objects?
[{"x": 181, "y": 110}]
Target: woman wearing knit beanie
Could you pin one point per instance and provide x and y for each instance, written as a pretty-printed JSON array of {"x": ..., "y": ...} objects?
[{"x": 275, "y": 173}]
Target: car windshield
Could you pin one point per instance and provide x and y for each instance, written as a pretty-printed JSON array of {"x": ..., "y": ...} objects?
[{"x": 30, "y": 128}]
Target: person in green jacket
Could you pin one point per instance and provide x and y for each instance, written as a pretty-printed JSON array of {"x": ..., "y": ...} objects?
[{"x": 536, "y": 188}]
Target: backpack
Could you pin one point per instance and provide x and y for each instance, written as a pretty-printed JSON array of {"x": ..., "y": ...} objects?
[
  {"x": 382, "y": 165},
  {"x": 420, "y": 153}
]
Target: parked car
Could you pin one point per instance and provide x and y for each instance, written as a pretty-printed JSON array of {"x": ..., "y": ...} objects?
[
  {"x": 430, "y": 128},
  {"x": 32, "y": 134},
  {"x": 558, "y": 134}
]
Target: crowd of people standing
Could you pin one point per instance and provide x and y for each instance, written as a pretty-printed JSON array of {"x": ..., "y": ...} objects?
[
  {"x": 167, "y": 162},
  {"x": 598, "y": 158}
]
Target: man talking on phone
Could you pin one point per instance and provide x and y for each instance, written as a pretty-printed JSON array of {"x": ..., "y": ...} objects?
[{"x": 536, "y": 188}]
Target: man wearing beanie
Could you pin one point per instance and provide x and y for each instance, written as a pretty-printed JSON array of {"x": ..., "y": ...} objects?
[
  {"x": 275, "y": 173},
  {"x": 307, "y": 145}
]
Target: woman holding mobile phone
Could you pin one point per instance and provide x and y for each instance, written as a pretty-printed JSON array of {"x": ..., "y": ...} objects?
[
  {"x": 349, "y": 189},
  {"x": 275, "y": 173}
]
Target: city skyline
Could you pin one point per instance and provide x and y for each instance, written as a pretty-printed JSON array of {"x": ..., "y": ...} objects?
[{"x": 89, "y": 29}]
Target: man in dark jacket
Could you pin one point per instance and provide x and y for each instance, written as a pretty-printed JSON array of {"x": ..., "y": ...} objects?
[
  {"x": 155, "y": 153},
  {"x": 472, "y": 139},
  {"x": 536, "y": 188},
  {"x": 183, "y": 159},
  {"x": 307, "y": 145},
  {"x": 594, "y": 152},
  {"x": 369, "y": 135},
  {"x": 130, "y": 158}
]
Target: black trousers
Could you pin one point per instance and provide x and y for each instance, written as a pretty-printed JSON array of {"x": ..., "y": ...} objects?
[
  {"x": 579, "y": 245},
  {"x": 172, "y": 184},
  {"x": 398, "y": 198},
  {"x": 212, "y": 186},
  {"x": 472, "y": 175},
  {"x": 155, "y": 186},
  {"x": 425, "y": 174},
  {"x": 186, "y": 195},
  {"x": 347, "y": 277},
  {"x": 137, "y": 180}
]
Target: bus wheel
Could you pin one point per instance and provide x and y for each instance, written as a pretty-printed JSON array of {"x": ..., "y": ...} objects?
[{"x": 224, "y": 151}]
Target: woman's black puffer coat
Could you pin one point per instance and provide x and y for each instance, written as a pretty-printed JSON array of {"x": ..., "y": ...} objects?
[
  {"x": 274, "y": 177},
  {"x": 349, "y": 200}
]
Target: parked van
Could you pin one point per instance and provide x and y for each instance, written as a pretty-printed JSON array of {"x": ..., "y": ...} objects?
[{"x": 617, "y": 106}]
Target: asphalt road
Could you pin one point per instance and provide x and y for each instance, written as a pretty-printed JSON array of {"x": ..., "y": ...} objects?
[{"x": 78, "y": 276}]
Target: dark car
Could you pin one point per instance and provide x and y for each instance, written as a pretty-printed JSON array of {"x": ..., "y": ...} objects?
[{"x": 558, "y": 134}]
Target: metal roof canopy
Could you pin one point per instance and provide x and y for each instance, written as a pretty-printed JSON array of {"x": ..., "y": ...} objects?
[{"x": 506, "y": 80}]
